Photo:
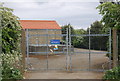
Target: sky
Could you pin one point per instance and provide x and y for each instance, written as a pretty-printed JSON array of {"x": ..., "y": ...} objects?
[{"x": 79, "y": 13}]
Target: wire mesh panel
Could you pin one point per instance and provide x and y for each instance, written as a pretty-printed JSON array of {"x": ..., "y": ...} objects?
[
  {"x": 100, "y": 50},
  {"x": 92, "y": 50},
  {"x": 37, "y": 55},
  {"x": 53, "y": 50},
  {"x": 80, "y": 56},
  {"x": 46, "y": 49},
  {"x": 57, "y": 53}
]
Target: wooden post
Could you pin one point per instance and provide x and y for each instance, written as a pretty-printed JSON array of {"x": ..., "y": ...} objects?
[
  {"x": 23, "y": 50},
  {"x": 115, "y": 48}
]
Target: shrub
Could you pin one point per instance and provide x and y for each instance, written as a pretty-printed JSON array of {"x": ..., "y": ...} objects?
[
  {"x": 112, "y": 74},
  {"x": 11, "y": 65},
  {"x": 11, "y": 35},
  {"x": 11, "y": 30}
]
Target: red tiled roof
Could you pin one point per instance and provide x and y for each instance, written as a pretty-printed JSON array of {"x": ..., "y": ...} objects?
[{"x": 39, "y": 24}]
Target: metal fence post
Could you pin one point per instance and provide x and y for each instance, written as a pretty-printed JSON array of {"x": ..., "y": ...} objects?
[
  {"x": 89, "y": 50},
  {"x": 67, "y": 67},
  {"x": 47, "y": 48},
  {"x": 110, "y": 57},
  {"x": 0, "y": 45},
  {"x": 27, "y": 44},
  {"x": 70, "y": 48}
]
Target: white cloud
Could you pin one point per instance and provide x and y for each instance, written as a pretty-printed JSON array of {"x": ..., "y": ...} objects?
[
  {"x": 79, "y": 14},
  {"x": 50, "y": 0}
]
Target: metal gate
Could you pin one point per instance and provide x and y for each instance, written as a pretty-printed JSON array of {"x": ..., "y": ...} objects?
[
  {"x": 47, "y": 51},
  {"x": 90, "y": 59}
]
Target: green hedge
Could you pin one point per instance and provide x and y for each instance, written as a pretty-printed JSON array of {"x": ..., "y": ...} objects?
[
  {"x": 11, "y": 66},
  {"x": 113, "y": 74}
]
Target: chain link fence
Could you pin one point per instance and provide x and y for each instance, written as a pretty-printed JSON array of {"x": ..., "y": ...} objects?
[{"x": 54, "y": 50}]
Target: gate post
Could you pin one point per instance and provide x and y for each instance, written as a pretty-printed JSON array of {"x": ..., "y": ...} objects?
[
  {"x": 115, "y": 48},
  {"x": 27, "y": 46},
  {"x": 67, "y": 60},
  {"x": 23, "y": 50},
  {"x": 89, "y": 50},
  {"x": 70, "y": 56},
  {"x": 110, "y": 44}
]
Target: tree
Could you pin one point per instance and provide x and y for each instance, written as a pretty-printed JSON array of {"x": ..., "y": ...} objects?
[
  {"x": 97, "y": 42},
  {"x": 64, "y": 31},
  {"x": 76, "y": 41},
  {"x": 111, "y": 14},
  {"x": 11, "y": 30},
  {"x": 79, "y": 40}
]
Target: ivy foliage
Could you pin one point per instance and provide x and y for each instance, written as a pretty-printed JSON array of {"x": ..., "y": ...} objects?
[{"x": 10, "y": 30}]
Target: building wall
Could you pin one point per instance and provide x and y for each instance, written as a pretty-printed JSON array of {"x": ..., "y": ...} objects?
[{"x": 43, "y": 39}]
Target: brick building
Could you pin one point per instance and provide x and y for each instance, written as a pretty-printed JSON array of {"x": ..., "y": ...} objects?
[{"x": 41, "y": 27}]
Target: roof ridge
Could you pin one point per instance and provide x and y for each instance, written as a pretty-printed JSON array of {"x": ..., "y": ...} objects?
[{"x": 38, "y": 20}]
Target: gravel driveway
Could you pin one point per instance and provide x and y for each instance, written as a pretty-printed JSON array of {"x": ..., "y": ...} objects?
[{"x": 78, "y": 61}]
